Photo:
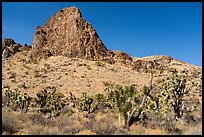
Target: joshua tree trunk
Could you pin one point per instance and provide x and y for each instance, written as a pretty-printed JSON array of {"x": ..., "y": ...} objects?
[{"x": 130, "y": 115}]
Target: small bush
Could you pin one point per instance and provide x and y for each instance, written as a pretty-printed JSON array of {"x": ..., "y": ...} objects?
[{"x": 99, "y": 63}]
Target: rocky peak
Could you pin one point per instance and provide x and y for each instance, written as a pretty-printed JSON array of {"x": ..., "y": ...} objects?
[{"x": 66, "y": 33}]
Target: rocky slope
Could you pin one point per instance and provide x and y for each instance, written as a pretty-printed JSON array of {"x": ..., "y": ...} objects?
[
  {"x": 68, "y": 54},
  {"x": 66, "y": 47}
]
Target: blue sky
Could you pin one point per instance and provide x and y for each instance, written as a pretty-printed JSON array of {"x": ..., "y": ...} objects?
[{"x": 138, "y": 28}]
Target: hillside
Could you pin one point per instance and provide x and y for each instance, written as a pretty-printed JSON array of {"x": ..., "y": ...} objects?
[{"x": 67, "y": 54}]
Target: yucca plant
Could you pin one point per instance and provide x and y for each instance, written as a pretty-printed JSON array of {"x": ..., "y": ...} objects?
[
  {"x": 124, "y": 99},
  {"x": 50, "y": 101},
  {"x": 86, "y": 103},
  {"x": 129, "y": 103},
  {"x": 172, "y": 92},
  {"x": 17, "y": 99},
  {"x": 73, "y": 100}
]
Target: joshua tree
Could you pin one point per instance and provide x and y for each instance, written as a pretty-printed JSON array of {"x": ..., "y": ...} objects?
[{"x": 172, "y": 92}]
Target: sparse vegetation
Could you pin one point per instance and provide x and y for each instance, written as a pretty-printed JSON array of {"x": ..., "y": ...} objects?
[
  {"x": 10, "y": 122},
  {"x": 160, "y": 107},
  {"x": 99, "y": 63}
]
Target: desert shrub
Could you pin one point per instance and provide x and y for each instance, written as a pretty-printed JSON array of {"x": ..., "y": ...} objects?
[
  {"x": 121, "y": 131},
  {"x": 44, "y": 130},
  {"x": 99, "y": 64},
  {"x": 86, "y": 103},
  {"x": 10, "y": 122},
  {"x": 172, "y": 91},
  {"x": 63, "y": 121},
  {"x": 101, "y": 123},
  {"x": 17, "y": 100},
  {"x": 195, "y": 130},
  {"x": 37, "y": 74},
  {"x": 33, "y": 61},
  {"x": 13, "y": 81},
  {"x": 50, "y": 101},
  {"x": 47, "y": 66},
  {"x": 26, "y": 66},
  {"x": 88, "y": 67},
  {"x": 39, "y": 119},
  {"x": 26, "y": 73},
  {"x": 75, "y": 128},
  {"x": 69, "y": 112}
]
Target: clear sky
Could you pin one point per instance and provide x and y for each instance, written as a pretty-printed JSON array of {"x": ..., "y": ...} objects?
[{"x": 138, "y": 28}]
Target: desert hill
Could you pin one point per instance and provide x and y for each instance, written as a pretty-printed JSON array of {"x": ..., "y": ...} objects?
[{"x": 68, "y": 54}]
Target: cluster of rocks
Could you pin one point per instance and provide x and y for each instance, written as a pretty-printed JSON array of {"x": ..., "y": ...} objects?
[
  {"x": 160, "y": 64},
  {"x": 10, "y": 47}
]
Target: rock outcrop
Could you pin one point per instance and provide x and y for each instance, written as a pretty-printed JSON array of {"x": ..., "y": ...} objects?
[
  {"x": 67, "y": 33},
  {"x": 10, "y": 47},
  {"x": 159, "y": 63}
]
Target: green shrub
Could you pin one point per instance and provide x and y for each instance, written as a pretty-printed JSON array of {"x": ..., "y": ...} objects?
[
  {"x": 125, "y": 100},
  {"x": 50, "y": 101},
  {"x": 99, "y": 63},
  {"x": 86, "y": 103},
  {"x": 17, "y": 100},
  {"x": 172, "y": 91}
]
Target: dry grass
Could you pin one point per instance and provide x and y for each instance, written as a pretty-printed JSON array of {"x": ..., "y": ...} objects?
[
  {"x": 41, "y": 130},
  {"x": 86, "y": 132},
  {"x": 136, "y": 129},
  {"x": 10, "y": 122},
  {"x": 197, "y": 130},
  {"x": 155, "y": 132}
]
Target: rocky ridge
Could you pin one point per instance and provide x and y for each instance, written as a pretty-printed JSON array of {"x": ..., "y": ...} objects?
[
  {"x": 68, "y": 34},
  {"x": 10, "y": 47}
]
